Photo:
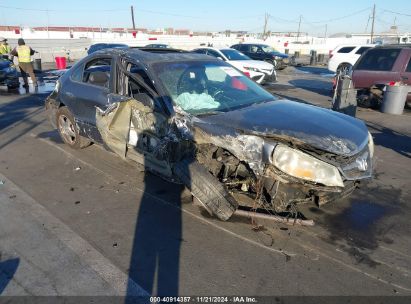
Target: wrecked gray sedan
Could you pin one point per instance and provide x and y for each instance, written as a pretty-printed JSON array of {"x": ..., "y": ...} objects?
[{"x": 198, "y": 121}]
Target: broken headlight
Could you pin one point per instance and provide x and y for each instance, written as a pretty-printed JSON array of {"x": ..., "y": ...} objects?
[
  {"x": 370, "y": 145},
  {"x": 304, "y": 166}
]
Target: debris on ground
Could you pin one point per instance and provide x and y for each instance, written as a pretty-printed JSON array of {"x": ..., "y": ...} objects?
[
  {"x": 2, "y": 182},
  {"x": 77, "y": 168}
]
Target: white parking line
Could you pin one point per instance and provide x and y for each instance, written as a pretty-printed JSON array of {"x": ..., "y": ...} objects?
[{"x": 110, "y": 273}]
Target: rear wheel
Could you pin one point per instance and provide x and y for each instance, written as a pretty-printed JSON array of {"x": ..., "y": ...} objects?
[{"x": 68, "y": 130}]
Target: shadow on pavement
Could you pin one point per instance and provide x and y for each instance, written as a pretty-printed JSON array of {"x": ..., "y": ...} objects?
[
  {"x": 390, "y": 139},
  {"x": 7, "y": 270},
  {"x": 321, "y": 87}
]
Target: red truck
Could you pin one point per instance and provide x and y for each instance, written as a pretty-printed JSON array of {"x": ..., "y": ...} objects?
[{"x": 379, "y": 66}]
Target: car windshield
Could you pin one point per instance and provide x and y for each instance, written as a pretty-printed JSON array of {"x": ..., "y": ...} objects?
[
  {"x": 208, "y": 87},
  {"x": 268, "y": 49},
  {"x": 234, "y": 55}
]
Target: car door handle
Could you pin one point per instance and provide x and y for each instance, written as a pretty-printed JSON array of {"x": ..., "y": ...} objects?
[{"x": 69, "y": 94}]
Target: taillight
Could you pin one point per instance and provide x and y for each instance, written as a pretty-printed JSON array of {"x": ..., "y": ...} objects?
[
  {"x": 247, "y": 74},
  {"x": 330, "y": 54}
]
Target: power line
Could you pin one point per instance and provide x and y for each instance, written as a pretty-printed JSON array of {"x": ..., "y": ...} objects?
[
  {"x": 342, "y": 17},
  {"x": 396, "y": 13},
  {"x": 65, "y": 10}
]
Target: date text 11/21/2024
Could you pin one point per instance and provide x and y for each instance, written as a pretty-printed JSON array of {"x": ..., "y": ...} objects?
[{"x": 204, "y": 299}]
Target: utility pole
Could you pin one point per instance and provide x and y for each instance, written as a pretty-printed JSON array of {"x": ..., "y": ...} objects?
[
  {"x": 267, "y": 16},
  {"x": 48, "y": 24},
  {"x": 372, "y": 24},
  {"x": 299, "y": 27},
  {"x": 132, "y": 17}
]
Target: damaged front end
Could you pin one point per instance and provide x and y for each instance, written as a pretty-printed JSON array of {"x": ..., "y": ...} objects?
[{"x": 277, "y": 174}]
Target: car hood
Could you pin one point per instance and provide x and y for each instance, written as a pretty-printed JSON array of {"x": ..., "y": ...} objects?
[
  {"x": 252, "y": 63},
  {"x": 278, "y": 54},
  {"x": 298, "y": 123}
]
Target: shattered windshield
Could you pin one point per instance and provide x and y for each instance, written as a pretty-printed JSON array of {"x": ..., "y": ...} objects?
[{"x": 207, "y": 87}]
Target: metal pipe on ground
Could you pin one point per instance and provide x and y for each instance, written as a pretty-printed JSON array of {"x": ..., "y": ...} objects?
[{"x": 275, "y": 218}]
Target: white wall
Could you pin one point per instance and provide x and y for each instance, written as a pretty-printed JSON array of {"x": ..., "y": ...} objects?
[{"x": 52, "y": 44}]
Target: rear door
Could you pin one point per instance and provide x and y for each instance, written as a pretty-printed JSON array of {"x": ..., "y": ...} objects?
[
  {"x": 83, "y": 96},
  {"x": 345, "y": 54},
  {"x": 256, "y": 52}
]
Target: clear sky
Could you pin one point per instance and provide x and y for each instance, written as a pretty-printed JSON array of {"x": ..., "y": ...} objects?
[{"x": 212, "y": 15}]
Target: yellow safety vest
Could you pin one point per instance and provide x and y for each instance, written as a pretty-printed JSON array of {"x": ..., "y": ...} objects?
[
  {"x": 23, "y": 52},
  {"x": 4, "y": 49}
]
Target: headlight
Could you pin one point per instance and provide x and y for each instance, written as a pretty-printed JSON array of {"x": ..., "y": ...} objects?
[
  {"x": 301, "y": 165},
  {"x": 251, "y": 69},
  {"x": 370, "y": 145}
]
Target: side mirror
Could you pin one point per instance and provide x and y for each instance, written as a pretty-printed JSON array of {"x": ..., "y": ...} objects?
[{"x": 98, "y": 78}]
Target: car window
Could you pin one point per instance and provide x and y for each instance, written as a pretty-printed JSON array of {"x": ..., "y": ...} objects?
[
  {"x": 346, "y": 49},
  {"x": 214, "y": 54},
  {"x": 379, "y": 59},
  {"x": 241, "y": 47},
  {"x": 77, "y": 74},
  {"x": 101, "y": 65},
  {"x": 200, "y": 51},
  {"x": 234, "y": 55},
  {"x": 408, "y": 66},
  {"x": 255, "y": 49},
  {"x": 362, "y": 50},
  {"x": 141, "y": 74}
]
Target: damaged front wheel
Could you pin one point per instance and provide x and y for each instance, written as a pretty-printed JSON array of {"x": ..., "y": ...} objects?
[
  {"x": 68, "y": 130},
  {"x": 206, "y": 189}
]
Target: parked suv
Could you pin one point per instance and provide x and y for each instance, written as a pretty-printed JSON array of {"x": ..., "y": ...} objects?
[
  {"x": 262, "y": 52},
  {"x": 381, "y": 65},
  {"x": 343, "y": 57}
]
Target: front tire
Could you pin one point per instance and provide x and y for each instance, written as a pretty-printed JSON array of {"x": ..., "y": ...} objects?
[
  {"x": 344, "y": 69},
  {"x": 68, "y": 130},
  {"x": 206, "y": 189}
]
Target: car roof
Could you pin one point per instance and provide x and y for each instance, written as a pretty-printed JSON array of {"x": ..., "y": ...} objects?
[
  {"x": 397, "y": 46},
  {"x": 215, "y": 49},
  {"x": 249, "y": 43},
  {"x": 151, "y": 55}
]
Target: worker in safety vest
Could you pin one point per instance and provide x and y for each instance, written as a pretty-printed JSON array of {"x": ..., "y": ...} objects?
[
  {"x": 4, "y": 48},
  {"x": 24, "y": 52}
]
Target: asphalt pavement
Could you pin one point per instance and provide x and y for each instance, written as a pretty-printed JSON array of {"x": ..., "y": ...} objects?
[{"x": 88, "y": 223}]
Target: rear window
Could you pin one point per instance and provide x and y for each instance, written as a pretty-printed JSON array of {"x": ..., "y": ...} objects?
[
  {"x": 362, "y": 50},
  {"x": 378, "y": 60},
  {"x": 346, "y": 49}
]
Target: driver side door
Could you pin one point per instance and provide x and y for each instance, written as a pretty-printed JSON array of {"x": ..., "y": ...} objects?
[{"x": 148, "y": 141}]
